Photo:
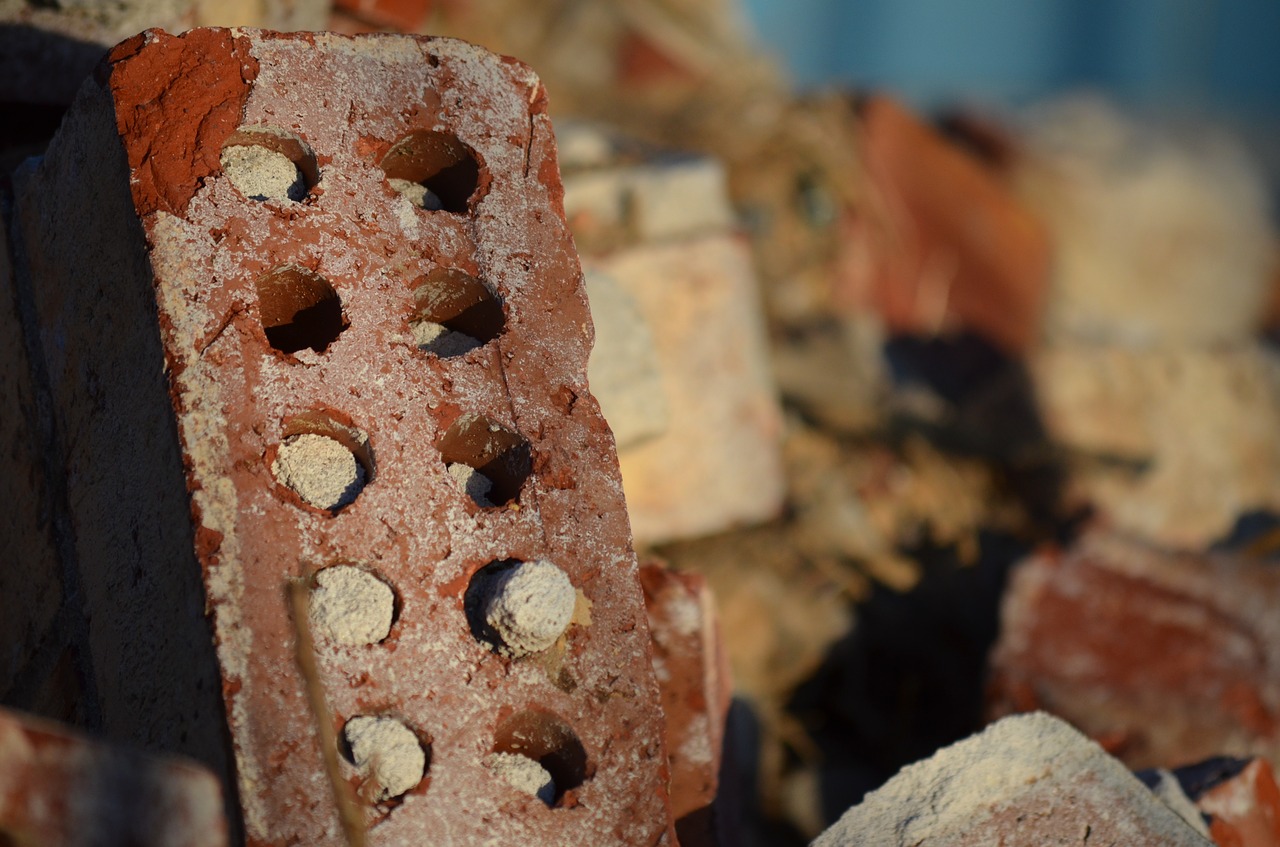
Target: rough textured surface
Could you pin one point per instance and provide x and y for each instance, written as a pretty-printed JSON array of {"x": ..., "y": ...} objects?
[
  {"x": 189, "y": 373},
  {"x": 1109, "y": 634},
  {"x": 528, "y": 605},
  {"x": 693, "y": 672},
  {"x": 319, "y": 470},
  {"x": 1178, "y": 443},
  {"x": 523, "y": 774},
  {"x": 263, "y": 174},
  {"x": 351, "y": 606},
  {"x": 387, "y": 754},
  {"x": 58, "y": 789},
  {"x": 1028, "y": 780}
]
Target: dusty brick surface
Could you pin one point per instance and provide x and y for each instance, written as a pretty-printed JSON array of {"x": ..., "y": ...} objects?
[
  {"x": 693, "y": 673},
  {"x": 1026, "y": 780},
  {"x": 1164, "y": 658},
  {"x": 59, "y": 789},
  {"x": 190, "y": 299}
]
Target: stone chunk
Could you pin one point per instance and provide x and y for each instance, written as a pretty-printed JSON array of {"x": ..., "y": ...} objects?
[
  {"x": 60, "y": 789},
  {"x": 1026, "y": 780},
  {"x": 1165, "y": 658},
  {"x": 195, "y": 338}
]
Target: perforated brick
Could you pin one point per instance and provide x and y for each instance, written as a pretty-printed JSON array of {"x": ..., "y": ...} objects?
[{"x": 211, "y": 327}]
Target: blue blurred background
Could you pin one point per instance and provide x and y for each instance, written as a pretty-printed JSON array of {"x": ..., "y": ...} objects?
[{"x": 1220, "y": 57}]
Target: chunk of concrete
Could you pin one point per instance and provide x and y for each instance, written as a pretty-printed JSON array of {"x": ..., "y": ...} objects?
[{"x": 1026, "y": 780}]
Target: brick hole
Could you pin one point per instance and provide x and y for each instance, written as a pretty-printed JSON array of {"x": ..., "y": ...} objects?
[
  {"x": 502, "y": 457},
  {"x": 434, "y": 170},
  {"x": 265, "y": 163},
  {"x": 323, "y": 461},
  {"x": 454, "y": 313},
  {"x": 299, "y": 309},
  {"x": 549, "y": 741},
  {"x": 519, "y": 608},
  {"x": 390, "y": 757},
  {"x": 351, "y": 606}
]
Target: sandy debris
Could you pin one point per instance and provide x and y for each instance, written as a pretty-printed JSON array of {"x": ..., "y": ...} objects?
[
  {"x": 387, "y": 751},
  {"x": 529, "y": 606},
  {"x": 263, "y": 174},
  {"x": 320, "y": 470},
  {"x": 351, "y": 606},
  {"x": 523, "y": 774}
]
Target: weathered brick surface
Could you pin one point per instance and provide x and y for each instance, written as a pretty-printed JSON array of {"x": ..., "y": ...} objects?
[
  {"x": 59, "y": 789},
  {"x": 1026, "y": 780},
  {"x": 693, "y": 672},
  {"x": 170, "y": 369},
  {"x": 1165, "y": 659}
]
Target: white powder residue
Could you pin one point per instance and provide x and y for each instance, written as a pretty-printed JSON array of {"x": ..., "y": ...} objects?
[
  {"x": 417, "y": 194},
  {"x": 263, "y": 174},
  {"x": 523, "y": 774},
  {"x": 475, "y": 484},
  {"x": 319, "y": 469},
  {"x": 386, "y": 751},
  {"x": 351, "y": 606},
  {"x": 529, "y": 606},
  {"x": 439, "y": 339}
]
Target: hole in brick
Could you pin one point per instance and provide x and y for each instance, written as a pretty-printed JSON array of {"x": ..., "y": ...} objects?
[
  {"x": 299, "y": 309},
  {"x": 265, "y": 163},
  {"x": 499, "y": 455},
  {"x": 547, "y": 741},
  {"x": 454, "y": 312},
  {"x": 389, "y": 756},
  {"x": 433, "y": 170},
  {"x": 519, "y": 608},
  {"x": 349, "y": 605},
  {"x": 324, "y": 461}
]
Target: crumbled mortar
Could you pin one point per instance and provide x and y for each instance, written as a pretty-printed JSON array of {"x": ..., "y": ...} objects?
[
  {"x": 351, "y": 606},
  {"x": 476, "y": 484},
  {"x": 319, "y": 469},
  {"x": 387, "y": 751},
  {"x": 263, "y": 174},
  {"x": 417, "y": 194},
  {"x": 528, "y": 606},
  {"x": 439, "y": 339},
  {"x": 523, "y": 774}
]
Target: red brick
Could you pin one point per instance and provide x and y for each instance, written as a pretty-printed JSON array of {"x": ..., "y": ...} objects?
[
  {"x": 693, "y": 673},
  {"x": 159, "y": 288},
  {"x": 1165, "y": 658},
  {"x": 954, "y": 248},
  {"x": 59, "y": 789}
]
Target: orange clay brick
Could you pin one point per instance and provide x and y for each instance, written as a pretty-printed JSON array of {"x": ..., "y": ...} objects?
[{"x": 311, "y": 315}]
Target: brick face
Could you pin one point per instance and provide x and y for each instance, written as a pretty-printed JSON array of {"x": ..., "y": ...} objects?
[
  {"x": 1164, "y": 658},
  {"x": 201, "y": 270}
]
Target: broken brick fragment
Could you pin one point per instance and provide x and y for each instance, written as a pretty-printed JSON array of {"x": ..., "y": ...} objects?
[
  {"x": 693, "y": 672},
  {"x": 1166, "y": 658},
  {"x": 951, "y": 246},
  {"x": 232, "y": 249}
]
